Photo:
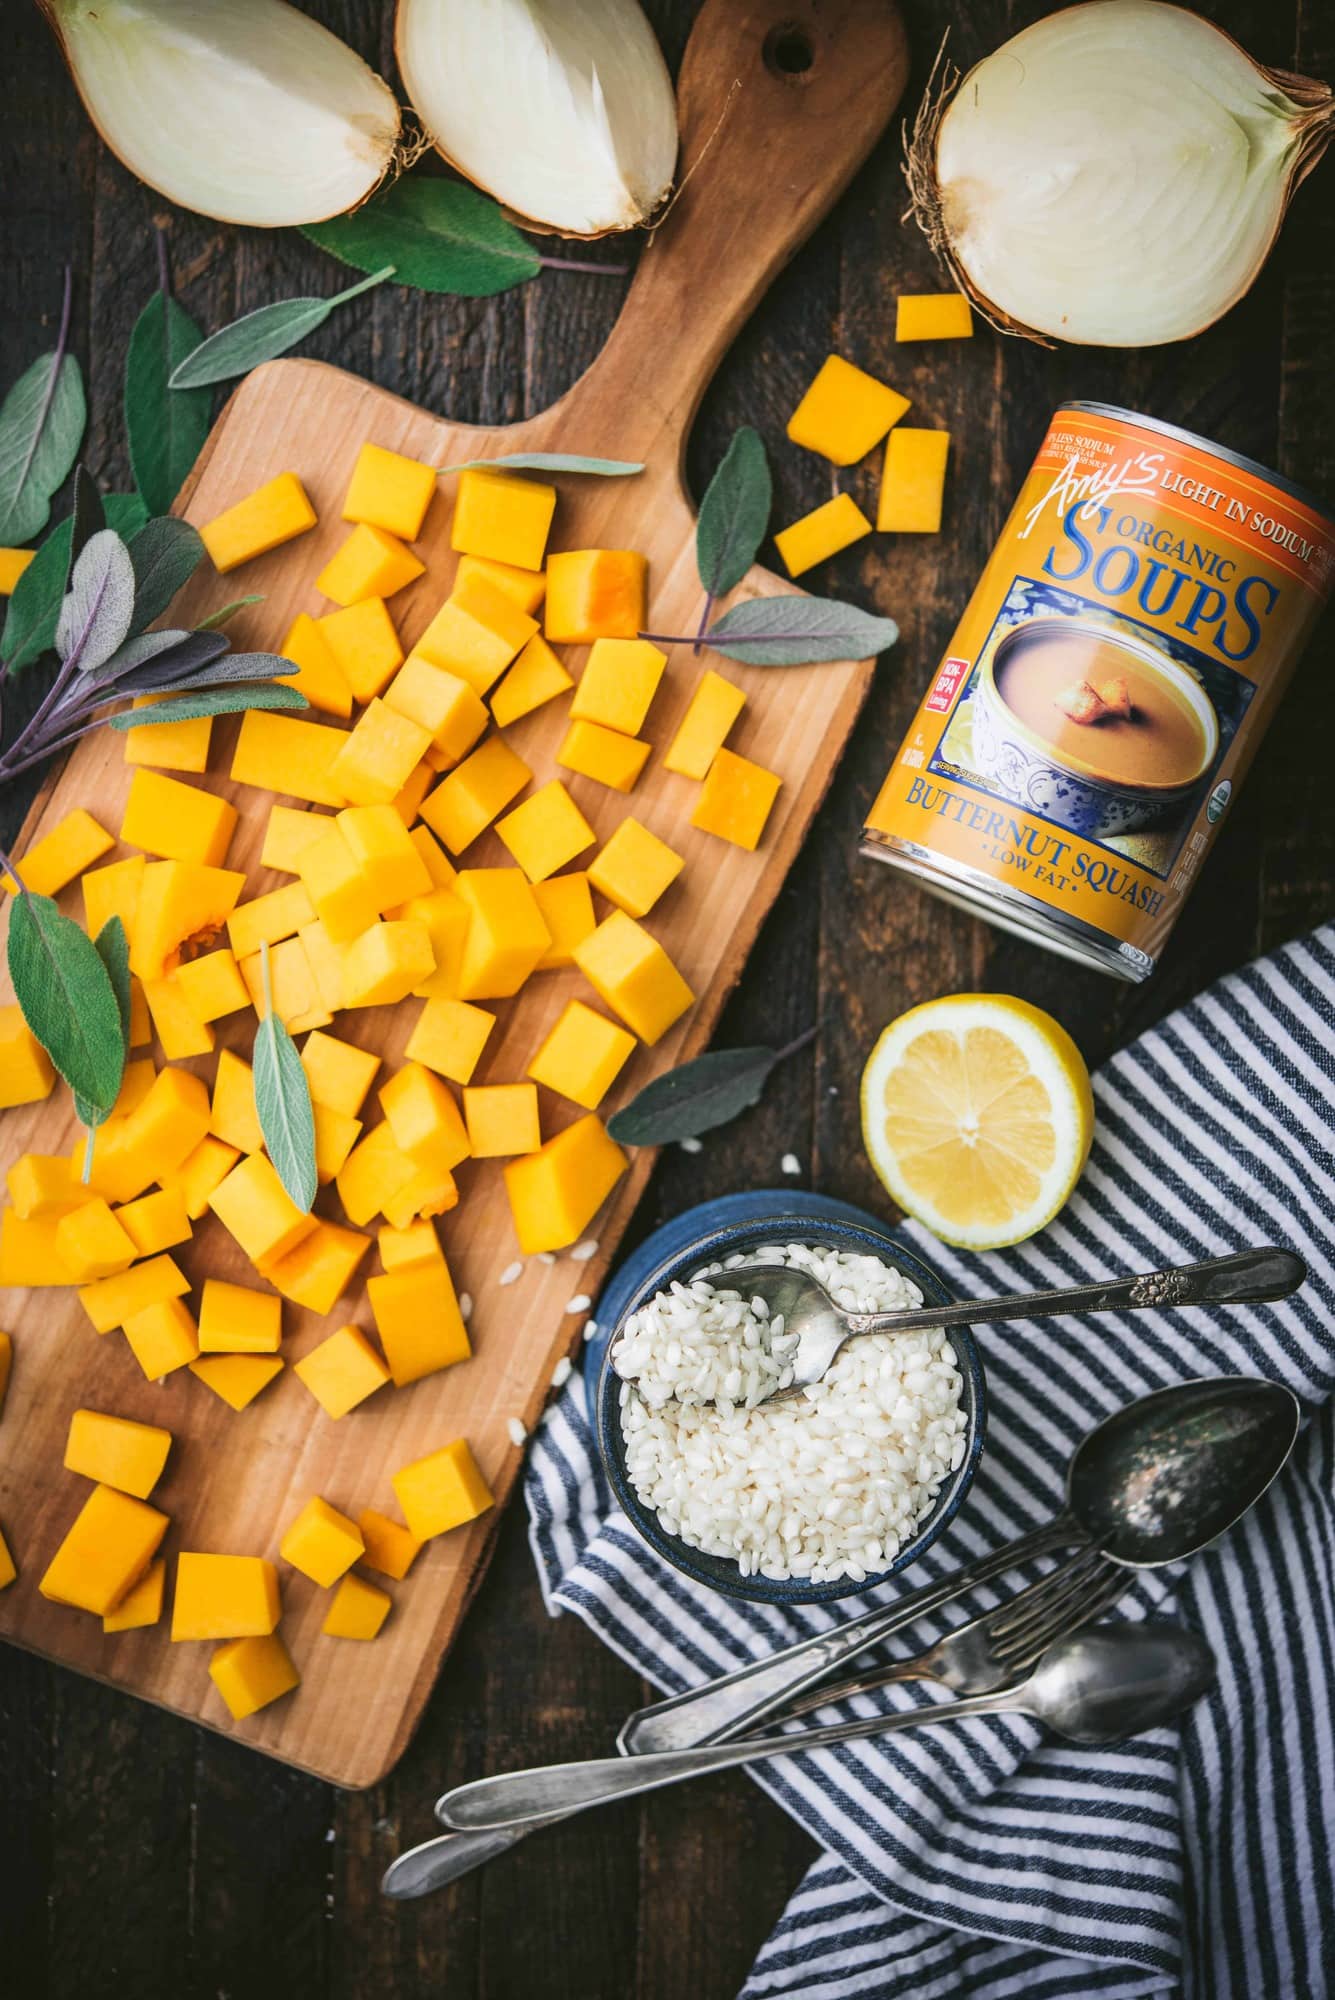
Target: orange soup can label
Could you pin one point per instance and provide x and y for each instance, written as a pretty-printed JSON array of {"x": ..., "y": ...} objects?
[{"x": 1107, "y": 687}]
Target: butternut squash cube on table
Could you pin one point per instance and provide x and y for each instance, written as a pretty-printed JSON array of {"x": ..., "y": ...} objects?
[
  {"x": 449, "y": 1037},
  {"x": 297, "y": 999},
  {"x": 736, "y": 799},
  {"x": 111, "y": 1543},
  {"x": 284, "y": 754},
  {"x": 335, "y": 1137},
  {"x": 546, "y": 831},
  {"x": 369, "y": 563},
  {"x": 391, "y": 1548},
  {"x": 321, "y": 1542},
  {"x": 384, "y": 852},
  {"x": 232, "y": 1115},
  {"x": 379, "y": 755},
  {"x": 116, "y": 1452},
  {"x": 845, "y": 412},
  {"x": 137, "y": 1080},
  {"x": 251, "y": 1673},
  {"x": 506, "y": 934},
  {"x": 476, "y": 633},
  {"x": 44, "y": 1184},
  {"x": 430, "y": 1191},
  {"x": 418, "y": 1319},
  {"x": 441, "y": 702},
  {"x": 199, "y": 1174},
  {"x": 619, "y": 684},
  {"x": 465, "y": 803},
  {"x": 446, "y": 921},
  {"x": 234, "y": 1319},
  {"x": 142, "y": 1603},
  {"x": 502, "y": 517},
  {"x": 257, "y": 1209},
  {"x": 631, "y": 972},
  {"x": 715, "y": 706},
  {"x": 913, "y": 482},
  {"x": 321, "y": 1267},
  {"x": 389, "y": 491},
  {"x": 364, "y": 642},
  {"x": 385, "y": 963},
  {"x": 424, "y": 1119},
  {"x": 161, "y": 1131},
  {"x": 53, "y": 861},
  {"x": 275, "y": 513},
  {"x": 526, "y": 586},
  {"x": 319, "y": 676},
  {"x": 237, "y": 1378},
  {"x": 290, "y": 830},
  {"x": 634, "y": 868},
  {"x": 603, "y": 754},
  {"x": 169, "y": 746},
  {"x": 92, "y": 1243},
  {"x": 375, "y": 1169},
  {"x": 13, "y": 562},
  {"x": 567, "y": 910},
  {"x": 933, "y": 316},
  {"x": 822, "y": 533},
  {"x": 582, "y": 1056},
  {"x": 110, "y": 1302},
  {"x": 596, "y": 594},
  {"x": 338, "y": 890},
  {"x": 441, "y": 1491},
  {"x": 342, "y": 1371},
  {"x": 26, "y": 1075},
  {"x": 162, "y": 1338},
  {"x": 177, "y": 821},
  {"x": 536, "y": 677},
  {"x": 358, "y": 1611},
  {"x": 338, "y": 1073},
  {"x": 212, "y": 986},
  {"x": 175, "y": 1022},
  {"x": 556, "y": 1192},
  {"x": 325, "y": 964},
  {"x": 416, "y": 1243},
  {"x": 112, "y": 891},
  {"x": 178, "y": 900},
  {"x": 224, "y": 1597},
  {"x": 156, "y": 1222},
  {"x": 268, "y": 919},
  {"x": 502, "y": 1119}
]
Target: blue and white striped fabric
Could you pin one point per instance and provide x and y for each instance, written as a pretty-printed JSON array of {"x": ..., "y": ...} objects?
[{"x": 990, "y": 1860}]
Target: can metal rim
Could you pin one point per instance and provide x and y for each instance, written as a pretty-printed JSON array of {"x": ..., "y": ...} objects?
[{"x": 1275, "y": 479}]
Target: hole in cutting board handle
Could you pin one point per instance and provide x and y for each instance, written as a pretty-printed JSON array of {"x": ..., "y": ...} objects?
[{"x": 788, "y": 52}]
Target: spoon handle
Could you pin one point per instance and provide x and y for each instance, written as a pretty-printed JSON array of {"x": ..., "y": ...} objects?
[{"x": 1247, "y": 1277}]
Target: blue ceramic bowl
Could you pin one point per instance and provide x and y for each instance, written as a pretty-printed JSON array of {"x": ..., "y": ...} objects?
[{"x": 707, "y": 1234}]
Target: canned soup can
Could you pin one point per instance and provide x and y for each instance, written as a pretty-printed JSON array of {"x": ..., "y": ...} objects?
[{"x": 1107, "y": 687}]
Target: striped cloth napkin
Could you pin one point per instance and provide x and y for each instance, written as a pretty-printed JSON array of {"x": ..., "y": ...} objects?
[{"x": 990, "y": 1859}]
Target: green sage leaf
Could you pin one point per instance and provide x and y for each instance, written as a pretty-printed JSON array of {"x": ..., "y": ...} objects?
[
  {"x": 166, "y": 432},
  {"x": 137, "y": 653},
  {"x": 694, "y": 1098},
  {"x": 202, "y": 660},
  {"x": 799, "y": 632},
  {"x": 228, "y": 611},
  {"x": 41, "y": 428},
  {"x": 99, "y": 605},
  {"x": 87, "y": 517},
  {"x": 283, "y": 1102},
  {"x": 220, "y": 701},
  {"x": 165, "y": 553},
  {"x": 548, "y": 461},
  {"x": 68, "y": 999},
  {"x": 260, "y": 335},
  {"x": 734, "y": 514},
  {"x": 113, "y": 948},
  {"x": 34, "y": 609},
  {"x": 439, "y": 235}
]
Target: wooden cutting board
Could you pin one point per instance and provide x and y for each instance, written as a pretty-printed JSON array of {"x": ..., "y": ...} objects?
[{"x": 775, "y": 144}]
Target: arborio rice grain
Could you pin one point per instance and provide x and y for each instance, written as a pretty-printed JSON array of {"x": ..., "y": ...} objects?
[{"x": 826, "y": 1485}]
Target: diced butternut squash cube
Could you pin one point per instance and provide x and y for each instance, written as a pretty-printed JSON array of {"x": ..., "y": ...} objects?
[
  {"x": 113, "y": 1540},
  {"x": 141, "y": 1605},
  {"x": 385, "y": 963},
  {"x": 619, "y": 684},
  {"x": 546, "y": 831},
  {"x": 28, "y": 1252},
  {"x": 8, "y": 1567},
  {"x": 913, "y": 482},
  {"x": 112, "y": 1301},
  {"x": 369, "y": 563},
  {"x": 567, "y": 910},
  {"x": 257, "y": 1209},
  {"x": 338, "y": 1073},
  {"x": 175, "y": 1022},
  {"x": 116, "y": 1452},
  {"x": 417, "y": 1316},
  {"x": 290, "y": 831},
  {"x": 634, "y": 868},
  {"x": 389, "y": 491},
  {"x": 13, "y": 562},
  {"x": 237, "y": 1378},
  {"x": 137, "y": 1080},
  {"x": 438, "y": 865},
  {"x": 163, "y": 1338},
  {"x": 430, "y": 1191},
  {"x": 424, "y": 1119},
  {"x": 224, "y": 1597},
  {"x": 536, "y": 677},
  {"x": 526, "y": 586},
  {"x": 250, "y": 1673},
  {"x": 736, "y": 799},
  {"x": 44, "y": 1184},
  {"x": 446, "y": 921},
  {"x": 822, "y": 533},
  {"x": 632, "y": 973},
  {"x": 407, "y": 801},
  {"x": 383, "y": 851},
  {"x": 297, "y": 999},
  {"x": 416, "y": 1243},
  {"x": 556, "y": 1192},
  {"x": 603, "y": 754},
  {"x": 179, "y": 822},
  {"x": 335, "y": 1137},
  {"x": 365, "y": 645},
  {"x": 26, "y": 1075},
  {"x": 502, "y": 1119},
  {"x": 319, "y": 676},
  {"x": 234, "y": 1319},
  {"x": 441, "y": 702},
  {"x": 140, "y": 1031},
  {"x": 199, "y": 1174},
  {"x": 506, "y": 934},
  {"x": 449, "y": 1037},
  {"x": 54, "y": 860},
  {"x": 933, "y": 316},
  {"x": 92, "y": 1243},
  {"x": 169, "y": 746},
  {"x": 374, "y": 1170},
  {"x": 284, "y": 754},
  {"x": 178, "y": 900},
  {"x": 441, "y": 1491},
  {"x": 156, "y": 1222},
  {"x": 389, "y": 1546},
  {"x": 340, "y": 893},
  {"x": 596, "y": 594},
  {"x": 715, "y": 706},
  {"x": 358, "y": 1611},
  {"x": 321, "y": 1267},
  {"x": 321, "y": 1542},
  {"x": 845, "y": 412},
  {"x": 170, "y": 1122},
  {"x": 476, "y": 633},
  {"x": 502, "y": 517},
  {"x": 267, "y": 919},
  {"x": 582, "y": 1056},
  {"x": 466, "y": 802},
  {"x": 379, "y": 754},
  {"x": 212, "y": 986},
  {"x": 275, "y": 513},
  {"x": 113, "y": 891},
  {"x": 342, "y": 1371}
]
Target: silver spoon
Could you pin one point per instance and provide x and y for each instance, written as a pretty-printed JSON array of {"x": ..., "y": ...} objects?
[
  {"x": 820, "y": 1327},
  {"x": 1091, "y": 1687}
]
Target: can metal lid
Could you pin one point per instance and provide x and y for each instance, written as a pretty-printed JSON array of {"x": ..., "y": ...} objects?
[{"x": 1275, "y": 479}]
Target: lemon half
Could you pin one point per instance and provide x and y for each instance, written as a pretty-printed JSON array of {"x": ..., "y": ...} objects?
[{"x": 977, "y": 1115}]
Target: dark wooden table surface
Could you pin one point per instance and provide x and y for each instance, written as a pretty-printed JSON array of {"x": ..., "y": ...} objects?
[{"x": 138, "y": 1854}]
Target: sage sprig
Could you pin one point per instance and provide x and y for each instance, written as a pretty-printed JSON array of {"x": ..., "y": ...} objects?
[
  {"x": 549, "y": 461},
  {"x": 734, "y": 515},
  {"x": 30, "y": 622},
  {"x": 41, "y": 428},
  {"x": 165, "y": 432},
  {"x": 260, "y": 336},
  {"x": 68, "y": 1000},
  {"x": 283, "y": 1101},
  {"x": 698, "y": 1096}
]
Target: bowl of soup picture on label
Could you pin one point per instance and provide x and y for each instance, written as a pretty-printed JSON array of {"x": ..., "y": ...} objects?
[{"x": 1102, "y": 733}]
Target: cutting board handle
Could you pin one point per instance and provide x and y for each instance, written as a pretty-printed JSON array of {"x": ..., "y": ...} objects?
[{"x": 779, "y": 102}]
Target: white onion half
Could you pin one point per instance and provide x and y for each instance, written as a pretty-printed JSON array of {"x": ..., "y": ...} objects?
[
  {"x": 242, "y": 109},
  {"x": 561, "y": 109},
  {"x": 1114, "y": 175}
]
